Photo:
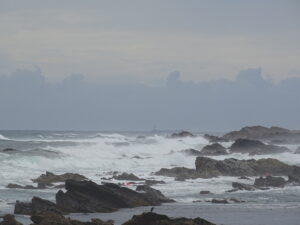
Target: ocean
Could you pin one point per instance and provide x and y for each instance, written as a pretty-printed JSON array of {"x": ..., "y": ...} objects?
[{"x": 97, "y": 155}]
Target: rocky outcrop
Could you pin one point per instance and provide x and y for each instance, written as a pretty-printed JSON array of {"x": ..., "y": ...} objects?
[
  {"x": 214, "y": 149},
  {"x": 49, "y": 218},
  {"x": 242, "y": 186},
  {"x": 179, "y": 173},
  {"x": 154, "y": 182},
  {"x": 127, "y": 176},
  {"x": 36, "y": 206},
  {"x": 157, "y": 219},
  {"x": 208, "y": 168},
  {"x": 49, "y": 178},
  {"x": 191, "y": 152},
  {"x": 214, "y": 139},
  {"x": 254, "y": 147},
  {"x": 270, "y": 181},
  {"x": 153, "y": 194},
  {"x": 182, "y": 134},
  {"x": 17, "y": 186},
  {"x": 9, "y": 220},
  {"x": 272, "y": 135},
  {"x": 87, "y": 196}
]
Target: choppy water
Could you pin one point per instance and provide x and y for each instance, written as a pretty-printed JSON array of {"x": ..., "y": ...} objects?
[{"x": 96, "y": 155}]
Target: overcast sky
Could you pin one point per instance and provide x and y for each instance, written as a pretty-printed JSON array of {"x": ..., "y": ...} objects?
[
  {"x": 125, "y": 40},
  {"x": 136, "y": 64}
]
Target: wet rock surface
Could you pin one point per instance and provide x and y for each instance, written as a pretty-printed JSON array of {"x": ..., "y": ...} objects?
[
  {"x": 214, "y": 149},
  {"x": 157, "y": 219},
  {"x": 182, "y": 134},
  {"x": 49, "y": 178}
]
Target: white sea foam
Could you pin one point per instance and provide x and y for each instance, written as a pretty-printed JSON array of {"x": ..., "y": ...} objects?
[{"x": 3, "y": 137}]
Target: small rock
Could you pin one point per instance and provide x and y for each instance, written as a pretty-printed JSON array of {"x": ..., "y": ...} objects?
[{"x": 205, "y": 192}]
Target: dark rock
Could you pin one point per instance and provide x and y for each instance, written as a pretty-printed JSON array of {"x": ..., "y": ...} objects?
[
  {"x": 182, "y": 134},
  {"x": 220, "y": 201},
  {"x": 157, "y": 219},
  {"x": 192, "y": 152},
  {"x": 9, "y": 150},
  {"x": 234, "y": 200},
  {"x": 181, "y": 173},
  {"x": 205, "y": 192},
  {"x": 153, "y": 194},
  {"x": 244, "y": 178},
  {"x": 154, "y": 182},
  {"x": 241, "y": 186},
  {"x": 87, "y": 196},
  {"x": 50, "y": 178},
  {"x": 214, "y": 139},
  {"x": 17, "y": 186},
  {"x": 9, "y": 220},
  {"x": 272, "y": 135},
  {"x": 270, "y": 181},
  {"x": 127, "y": 176},
  {"x": 56, "y": 219},
  {"x": 36, "y": 206},
  {"x": 294, "y": 179},
  {"x": 214, "y": 149},
  {"x": 254, "y": 147}
]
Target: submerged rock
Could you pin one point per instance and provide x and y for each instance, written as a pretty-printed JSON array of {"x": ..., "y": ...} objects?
[
  {"x": 214, "y": 139},
  {"x": 154, "y": 182},
  {"x": 182, "y": 134},
  {"x": 214, "y": 149},
  {"x": 254, "y": 147},
  {"x": 205, "y": 192},
  {"x": 49, "y": 178},
  {"x": 179, "y": 173},
  {"x": 157, "y": 219},
  {"x": 192, "y": 152},
  {"x": 87, "y": 196},
  {"x": 242, "y": 186},
  {"x": 9, "y": 220}
]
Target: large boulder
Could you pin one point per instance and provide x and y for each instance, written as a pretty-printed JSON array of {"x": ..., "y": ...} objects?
[
  {"x": 270, "y": 181},
  {"x": 214, "y": 149},
  {"x": 272, "y": 134},
  {"x": 127, "y": 176},
  {"x": 87, "y": 196},
  {"x": 36, "y": 206},
  {"x": 157, "y": 219},
  {"x": 48, "y": 178},
  {"x": 254, "y": 147},
  {"x": 153, "y": 194}
]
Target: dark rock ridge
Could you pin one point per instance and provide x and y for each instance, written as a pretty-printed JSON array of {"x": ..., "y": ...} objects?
[
  {"x": 182, "y": 134},
  {"x": 48, "y": 178},
  {"x": 49, "y": 218},
  {"x": 157, "y": 219},
  {"x": 87, "y": 196},
  {"x": 254, "y": 147},
  {"x": 272, "y": 134},
  {"x": 270, "y": 181},
  {"x": 214, "y": 149},
  {"x": 208, "y": 168}
]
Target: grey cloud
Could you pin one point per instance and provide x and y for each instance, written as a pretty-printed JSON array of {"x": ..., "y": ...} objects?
[{"x": 29, "y": 102}]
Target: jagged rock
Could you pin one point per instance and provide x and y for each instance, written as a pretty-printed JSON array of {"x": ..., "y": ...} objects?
[
  {"x": 153, "y": 194},
  {"x": 254, "y": 147},
  {"x": 36, "y": 206},
  {"x": 272, "y": 135},
  {"x": 192, "y": 152},
  {"x": 50, "y": 178},
  {"x": 56, "y": 219},
  {"x": 214, "y": 139},
  {"x": 181, "y": 173},
  {"x": 182, "y": 134},
  {"x": 214, "y": 149},
  {"x": 127, "y": 176},
  {"x": 270, "y": 181},
  {"x": 205, "y": 192},
  {"x": 157, "y": 219},
  {"x": 87, "y": 196},
  {"x": 241, "y": 186},
  {"x": 9, "y": 220},
  {"x": 154, "y": 182}
]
